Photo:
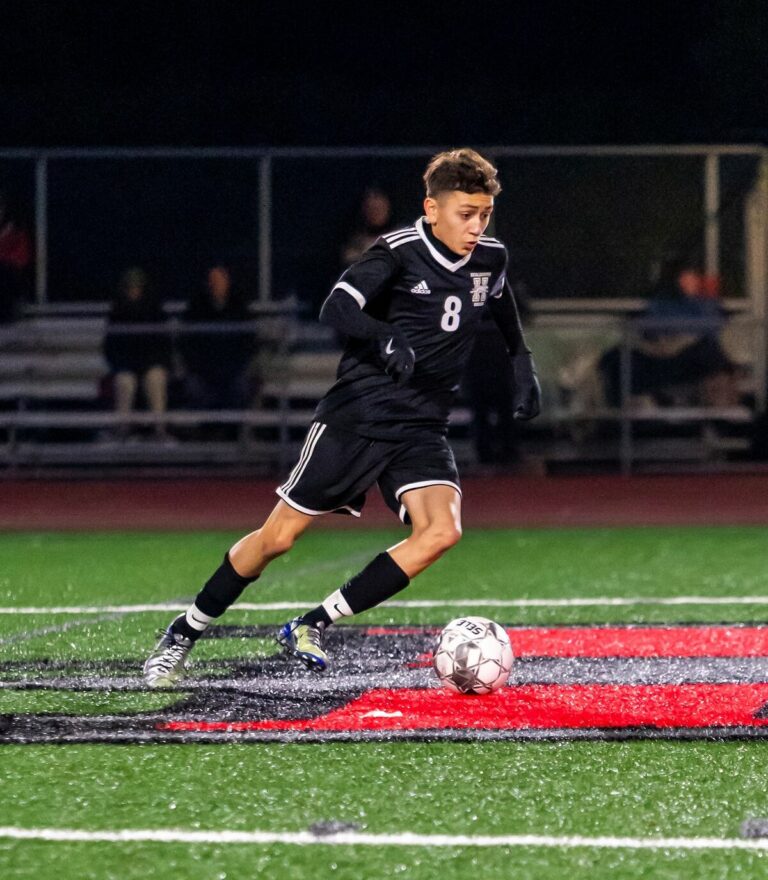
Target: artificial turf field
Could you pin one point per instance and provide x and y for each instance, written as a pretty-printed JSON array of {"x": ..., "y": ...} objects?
[{"x": 594, "y": 808}]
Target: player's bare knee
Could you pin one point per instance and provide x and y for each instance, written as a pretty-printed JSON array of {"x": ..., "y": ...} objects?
[
  {"x": 436, "y": 540},
  {"x": 277, "y": 539},
  {"x": 275, "y": 543},
  {"x": 448, "y": 537}
]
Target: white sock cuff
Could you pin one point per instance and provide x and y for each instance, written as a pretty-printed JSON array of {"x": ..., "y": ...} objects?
[
  {"x": 196, "y": 619},
  {"x": 336, "y": 606}
]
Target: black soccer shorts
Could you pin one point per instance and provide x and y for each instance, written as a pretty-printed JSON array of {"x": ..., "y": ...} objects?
[{"x": 336, "y": 469}]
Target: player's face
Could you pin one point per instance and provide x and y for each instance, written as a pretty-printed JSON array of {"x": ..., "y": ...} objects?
[{"x": 458, "y": 219}]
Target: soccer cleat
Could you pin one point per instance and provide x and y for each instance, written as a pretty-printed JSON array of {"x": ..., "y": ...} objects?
[
  {"x": 304, "y": 642},
  {"x": 168, "y": 662}
]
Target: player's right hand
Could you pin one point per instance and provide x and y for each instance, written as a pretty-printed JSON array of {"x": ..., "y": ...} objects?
[{"x": 399, "y": 358}]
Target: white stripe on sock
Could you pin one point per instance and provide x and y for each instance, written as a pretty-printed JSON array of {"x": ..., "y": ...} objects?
[
  {"x": 196, "y": 619},
  {"x": 336, "y": 607}
]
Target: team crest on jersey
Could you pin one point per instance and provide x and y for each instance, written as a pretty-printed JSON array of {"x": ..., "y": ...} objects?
[{"x": 480, "y": 281}]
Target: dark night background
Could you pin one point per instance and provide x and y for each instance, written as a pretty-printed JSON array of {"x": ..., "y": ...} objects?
[
  {"x": 226, "y": 73},
  {"x": 115, "y": 73}
]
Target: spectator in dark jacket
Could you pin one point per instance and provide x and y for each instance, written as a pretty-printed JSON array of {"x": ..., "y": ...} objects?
[
  {"x": 375, "y": 219},
  {"x": 137, "y": 359},
  {"x": 217, "y": 358}
]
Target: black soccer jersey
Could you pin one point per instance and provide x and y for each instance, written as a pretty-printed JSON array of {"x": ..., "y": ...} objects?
[{"x": 410, "y": 279}]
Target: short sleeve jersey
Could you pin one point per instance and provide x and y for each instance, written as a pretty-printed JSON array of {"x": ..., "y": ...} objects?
[{"x": 410, "y": 279}]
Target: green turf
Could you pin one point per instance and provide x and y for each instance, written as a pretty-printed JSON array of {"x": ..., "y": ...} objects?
[
  {"x": 631, "y": 789},
  {"x": 68, "y": 569},
  {"x": 635, "y": 789},
  {"x": 96, "y": 861},
  {"x": 89, "y": 703},
  {"x": 640, "y": 789}
]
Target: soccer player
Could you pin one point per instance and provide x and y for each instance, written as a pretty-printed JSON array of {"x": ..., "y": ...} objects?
[{"x": 409, "y": 308}]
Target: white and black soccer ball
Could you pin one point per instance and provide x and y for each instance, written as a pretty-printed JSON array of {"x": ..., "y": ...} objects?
[{"x": 473, "y": 655}]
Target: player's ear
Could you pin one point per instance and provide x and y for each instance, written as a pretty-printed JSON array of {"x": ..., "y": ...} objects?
[{"x": 430, "y": 209}]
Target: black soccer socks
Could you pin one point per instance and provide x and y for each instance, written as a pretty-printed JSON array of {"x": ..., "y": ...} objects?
[
  {"x": 221, "y": 590},
  {"x": 376, "y": 583}
]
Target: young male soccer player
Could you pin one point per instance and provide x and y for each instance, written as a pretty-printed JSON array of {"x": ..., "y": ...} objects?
[{"x": 409, "y": 308}]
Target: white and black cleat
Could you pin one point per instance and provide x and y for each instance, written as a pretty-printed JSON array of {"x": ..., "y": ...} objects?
[{"x": 167, "y": 664}]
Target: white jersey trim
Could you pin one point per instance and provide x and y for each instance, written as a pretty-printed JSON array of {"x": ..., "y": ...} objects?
[
  {"x": 391, "y": 236},
  {"x": 487, "y": 241},
  {"x": 352, "y": 291},
  {"x": 436, "y": 255},
  {"x": 403, "y": 241}
]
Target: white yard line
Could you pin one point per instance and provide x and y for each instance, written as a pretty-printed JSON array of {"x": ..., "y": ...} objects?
[
  {"x": 593, "y": 602},
  {"x": 358, "y": 838}
]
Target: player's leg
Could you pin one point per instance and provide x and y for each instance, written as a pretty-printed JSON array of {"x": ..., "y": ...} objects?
[
  {"x": 435, "y": 514},
  {"x": 332, "y": 473},
  {"x": 241, "y": 566},
  {"x": 252, "y": 553}
]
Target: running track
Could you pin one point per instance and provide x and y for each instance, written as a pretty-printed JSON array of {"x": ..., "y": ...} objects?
[{"x": 501, "y": 501}]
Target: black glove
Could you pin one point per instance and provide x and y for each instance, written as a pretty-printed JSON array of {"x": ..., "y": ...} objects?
[
  {"x": 399, "y": 358},
  {"x": 527, "y": 393}
]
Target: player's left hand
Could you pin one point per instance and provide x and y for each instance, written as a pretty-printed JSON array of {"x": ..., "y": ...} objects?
[{"x": 527, "y": 395}]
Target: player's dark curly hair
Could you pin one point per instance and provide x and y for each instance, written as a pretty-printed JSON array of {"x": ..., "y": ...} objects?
[{"x": 464, "y": 170}]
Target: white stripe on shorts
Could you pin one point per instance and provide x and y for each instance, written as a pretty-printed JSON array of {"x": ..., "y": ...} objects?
[
  {"x": 313, "y": 435},
  {"x": 308, "y": 510},
  {"x": 422, "y": 485}
]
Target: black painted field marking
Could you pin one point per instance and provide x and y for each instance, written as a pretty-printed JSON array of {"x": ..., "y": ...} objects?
[{"x": 382, "y": 687}]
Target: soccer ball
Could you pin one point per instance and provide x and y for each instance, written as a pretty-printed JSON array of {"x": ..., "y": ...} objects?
[{"x": 473, "y": 656}]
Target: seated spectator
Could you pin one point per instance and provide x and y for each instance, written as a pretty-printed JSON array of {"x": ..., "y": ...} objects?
[
  {"x": 662, "y": 359},
  {"x": 137, "y": 359},
  {"x": 218, "y": 360},
  {"x": 15, "y": 258},
  {"x": 375, "y": 219}
]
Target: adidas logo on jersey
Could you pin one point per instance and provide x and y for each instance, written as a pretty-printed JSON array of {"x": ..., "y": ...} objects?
[{"x": 422, "y": 287}]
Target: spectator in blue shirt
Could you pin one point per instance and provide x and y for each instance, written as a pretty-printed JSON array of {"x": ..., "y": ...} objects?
[{"x": 681, "y": 355}]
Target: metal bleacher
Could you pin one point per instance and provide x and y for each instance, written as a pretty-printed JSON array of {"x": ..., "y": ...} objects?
[
  {"x": 683, "y": 432},
  {"x": 53, "y": 413},
  {"x": 53, "y": 410},
  {"x": 587, "y": 222}
]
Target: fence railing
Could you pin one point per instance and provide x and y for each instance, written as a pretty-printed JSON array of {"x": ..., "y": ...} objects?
[
  {"x": 579, "y": 219},
  {"x": 302, "y": 371}
]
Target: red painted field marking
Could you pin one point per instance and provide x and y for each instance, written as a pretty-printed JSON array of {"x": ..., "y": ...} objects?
[
  {"x": 627, "y": 641},
  {"x": 530, "y": 706},
  {"x": 553, "y": 706},
  {"x": 680, "y": 641}
]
